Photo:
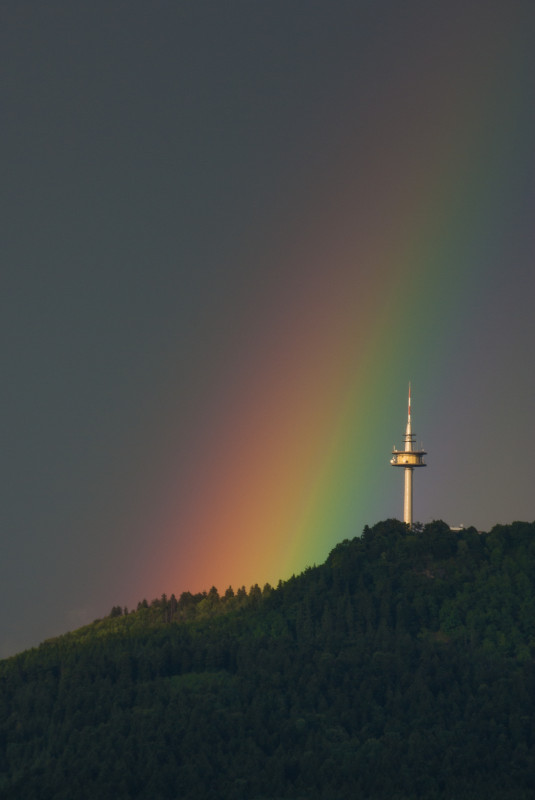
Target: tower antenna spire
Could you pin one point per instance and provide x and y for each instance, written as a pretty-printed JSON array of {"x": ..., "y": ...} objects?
[{"x": 408, "y": 458}]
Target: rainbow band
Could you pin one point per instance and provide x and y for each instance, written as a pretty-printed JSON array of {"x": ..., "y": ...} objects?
[{"x": 296, "y": 460}]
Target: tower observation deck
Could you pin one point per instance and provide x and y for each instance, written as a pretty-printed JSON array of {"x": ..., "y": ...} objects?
[{"x": 408, "y": 458}]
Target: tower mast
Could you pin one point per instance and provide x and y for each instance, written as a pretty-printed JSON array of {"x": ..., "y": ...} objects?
[{"x": 408, "y": 458}]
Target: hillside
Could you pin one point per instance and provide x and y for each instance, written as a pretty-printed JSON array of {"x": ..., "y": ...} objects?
[{"x": 401, "y": 668}]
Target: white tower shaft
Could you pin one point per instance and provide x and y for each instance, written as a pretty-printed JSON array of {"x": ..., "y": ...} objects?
[{"x": 407, "y": 497}]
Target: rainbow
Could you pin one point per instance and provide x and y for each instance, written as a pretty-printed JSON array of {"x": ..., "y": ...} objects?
[{"x": 294, "y": 455}]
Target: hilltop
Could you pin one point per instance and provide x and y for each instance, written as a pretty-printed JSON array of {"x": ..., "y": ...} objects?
[{"x": 401, "y": 668}]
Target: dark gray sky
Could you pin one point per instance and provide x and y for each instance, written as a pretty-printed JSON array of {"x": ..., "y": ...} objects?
[{"x": 222, "y": 223}]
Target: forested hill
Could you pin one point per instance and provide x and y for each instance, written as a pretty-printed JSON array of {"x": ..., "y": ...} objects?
[{"x": 401, "y": 668}]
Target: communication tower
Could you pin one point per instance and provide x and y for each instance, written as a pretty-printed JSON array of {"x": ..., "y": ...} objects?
[{"x": 408, "y": 458}]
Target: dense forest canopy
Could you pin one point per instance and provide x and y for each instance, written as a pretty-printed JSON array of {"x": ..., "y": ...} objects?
[{"x": 401, "y": 668}]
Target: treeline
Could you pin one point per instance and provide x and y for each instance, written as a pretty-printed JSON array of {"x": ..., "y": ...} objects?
[
  {"x": 196, "y": 606},
  {"x": 401, "y": 668}
]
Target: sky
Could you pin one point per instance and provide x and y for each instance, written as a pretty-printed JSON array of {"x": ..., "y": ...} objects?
[{"x": 232, "y": 233}]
